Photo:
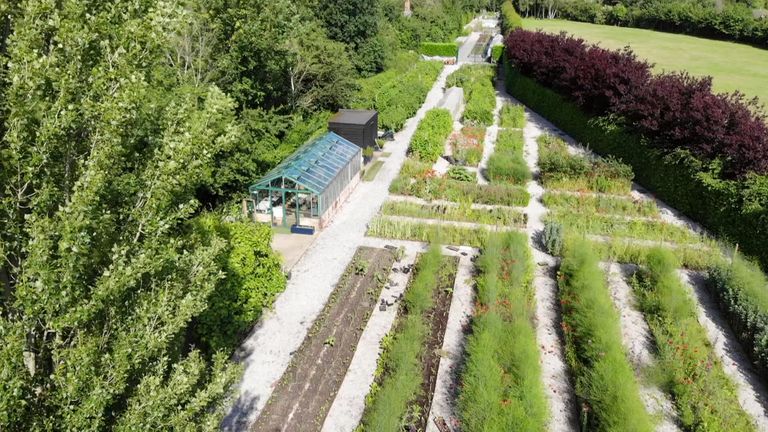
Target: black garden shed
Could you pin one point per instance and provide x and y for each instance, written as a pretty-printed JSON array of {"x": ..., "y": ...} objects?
[{"x": 358, "y": 126}]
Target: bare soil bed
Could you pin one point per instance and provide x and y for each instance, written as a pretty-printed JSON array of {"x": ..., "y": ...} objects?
[{"x": 302, "y": 398}]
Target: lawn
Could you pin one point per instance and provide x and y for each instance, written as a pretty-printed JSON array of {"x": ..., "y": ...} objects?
[{"x": 733, "y": 66}]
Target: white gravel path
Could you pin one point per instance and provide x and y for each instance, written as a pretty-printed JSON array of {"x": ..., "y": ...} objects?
[
  {"x": 347, "y": 409},
  {"x": 557, "y": 385},
  {"x": 267, "y": 351},
  {"x": 638, "y": 342},
  {"x": 753, "y": 395},
  {"x": 459, "y": 316}
]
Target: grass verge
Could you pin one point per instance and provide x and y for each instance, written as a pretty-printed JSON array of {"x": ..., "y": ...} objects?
[{"x": 372, "y": 171}]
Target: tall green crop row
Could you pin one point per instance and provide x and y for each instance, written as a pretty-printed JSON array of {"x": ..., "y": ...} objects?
[
  {"x": 604, "y": 380},
  {"x": 479, "y": 92},
  {"x": 501, "y": 386},
  {"x": 428, "y": 142},
  {"x": 705, "y": 397},
  {"x": 399, "y": 374}
]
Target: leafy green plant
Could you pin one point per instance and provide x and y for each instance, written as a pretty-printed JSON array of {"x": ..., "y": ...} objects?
[
  {"x": 553, "y": 238},
  {"x": 460, "y": 174},
  {"x": 604, "y": 380},
  {"x": 428, "y": 142},
  {"x": 361, "y": 266},
  {"x": 501, "y": 384},
  {"x": 705, "y": 397}
]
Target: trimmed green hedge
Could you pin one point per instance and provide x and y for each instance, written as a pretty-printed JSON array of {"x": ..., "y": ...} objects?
[
  {"x": 439, "y": 49},
  {"x": 496, "y": 52},
  {"x": 428, "y": 142},
  {"x": 510, "y": 19},
  {"x": 742, "y": 292},
  {"x": 735, "y": 210}
]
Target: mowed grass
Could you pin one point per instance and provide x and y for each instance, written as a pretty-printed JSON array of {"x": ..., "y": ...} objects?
[{"x": 733, "y": 66}]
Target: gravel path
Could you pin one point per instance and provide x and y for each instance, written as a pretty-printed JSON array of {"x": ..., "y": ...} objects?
[
  {"x": 347, "y": 409},
  {"x": 753, "y": 395},
  {"x": 267, "y": 351},
  {"x": 459, "y": 316},
  {"x": 638, "y": 342},
  {"x": 557, "y": 385}
]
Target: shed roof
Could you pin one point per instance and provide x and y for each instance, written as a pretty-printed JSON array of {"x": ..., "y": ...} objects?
[
  {"x": 358, "y": 117},
  {"x": 315, "y": 164}
]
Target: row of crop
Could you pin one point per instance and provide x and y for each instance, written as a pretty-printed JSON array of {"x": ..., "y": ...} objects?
[
  {"x": 439, "y": 49},
  {"x": 399, "y": 375},
  {"x": 399, "y": 92},
  {"x": 691, "y": 373},
  {"x": 620, "y": 226},
  {"x": 428, "y": 142},
  {"x": 420, "y": 181},
  {"x": 562, "y": 170},
  {"x": 605, "y": 383},
  {"x": 600, "y": 204},
  {"x": 467, "y": 145},
  {"x": 734, "y": 209},
  {"x": 512, "y": 116},
  {"x": 507, "y": 164},
  {"x": 732, "y": 22},
  {"x": 384, "y": 227},
  {"x": 463, "y": 212},
  {"x": 479, "y": 92},
  {"x": 501, "y": 383}
]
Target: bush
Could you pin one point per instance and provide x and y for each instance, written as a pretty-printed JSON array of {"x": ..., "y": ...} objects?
[
  {"x": 501, "y": 385},
  {"x": 460, "y": 174},
  {"x": 604, "y": 380},
  {"x": 441, "y": 49},
  {"x": 510, "y": 19},
  {"x": 496, "y": 52},
  {"x": 672, "y": 111},
  {"x": 253, "y": 278},
  {"x": 705, "y": 397},
  {"x": 552, "y": 237},
  {"x": 479, "y": 92},
  {"x": 740, "y": 290},
  {"x": 741, "y": 213},
  {"x": 428, "y": 142},
  {"x": 399, "y": 92}
]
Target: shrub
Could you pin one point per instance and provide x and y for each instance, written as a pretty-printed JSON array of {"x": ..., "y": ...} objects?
[
  {"x": 428, "y": 142},
  {"x": 705, "y": 397},
  {"x": 742, "y": 293},
  {"x": 460, "y": 174},
  {"x": 552, "y": 237},
  {"x": 508, "y": 167},
  {"x": 479, "y": 91},
  {"x": 741, "y": 213},
  {"x": 604, "y": 380},
  {"x": 439, "y": 49},
  {"x": 501, "y": 385},
  {"x": 253, "y": 278},
  {"x": 496, "y": 52},
  {"x": 672, "y": 111},
  {"x": 512, "y": 116}
]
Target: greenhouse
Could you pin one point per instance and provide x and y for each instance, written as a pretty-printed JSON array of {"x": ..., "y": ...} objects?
[{"x": 306, "y": 189}]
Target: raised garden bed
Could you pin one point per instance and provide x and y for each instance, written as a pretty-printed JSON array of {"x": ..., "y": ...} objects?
[{"x": 307, "y": 389}]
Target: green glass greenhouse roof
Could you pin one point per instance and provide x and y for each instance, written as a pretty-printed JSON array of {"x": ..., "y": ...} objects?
[{"x": 315, "y": 164}]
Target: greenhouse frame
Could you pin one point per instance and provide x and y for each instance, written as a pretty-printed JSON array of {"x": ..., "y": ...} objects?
[{"x": 307, "y": 188}]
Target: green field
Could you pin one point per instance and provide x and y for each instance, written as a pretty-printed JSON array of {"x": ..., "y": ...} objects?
[{"x": 733, "y": 66}]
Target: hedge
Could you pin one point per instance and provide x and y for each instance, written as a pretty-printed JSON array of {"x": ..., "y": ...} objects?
[
  {"x": 737, "y": 210},
  {"x": 742, "y": 292},
  {"x": 510, "y": 19},
  {"x": 428, "y": 142},
  {"x": 439, "y": 49}
]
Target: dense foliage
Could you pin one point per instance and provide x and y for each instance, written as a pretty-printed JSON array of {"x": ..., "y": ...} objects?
[
  {"x": 501, "y": 384},
  {"x": 604, "y": 380},
  {"x": 706, "y": 399},
  {"x": 510, "y": 19},
  {"x": 734, "y": 21},
  {"x": 673, "y": 110},
  {"x": 428, "y": 142},
  {"x": 479, "y": 92},
  {"x": 742, "y": 292},
  {"x": 439, "y": 49},
  {"x": 734, "y": 209}
]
